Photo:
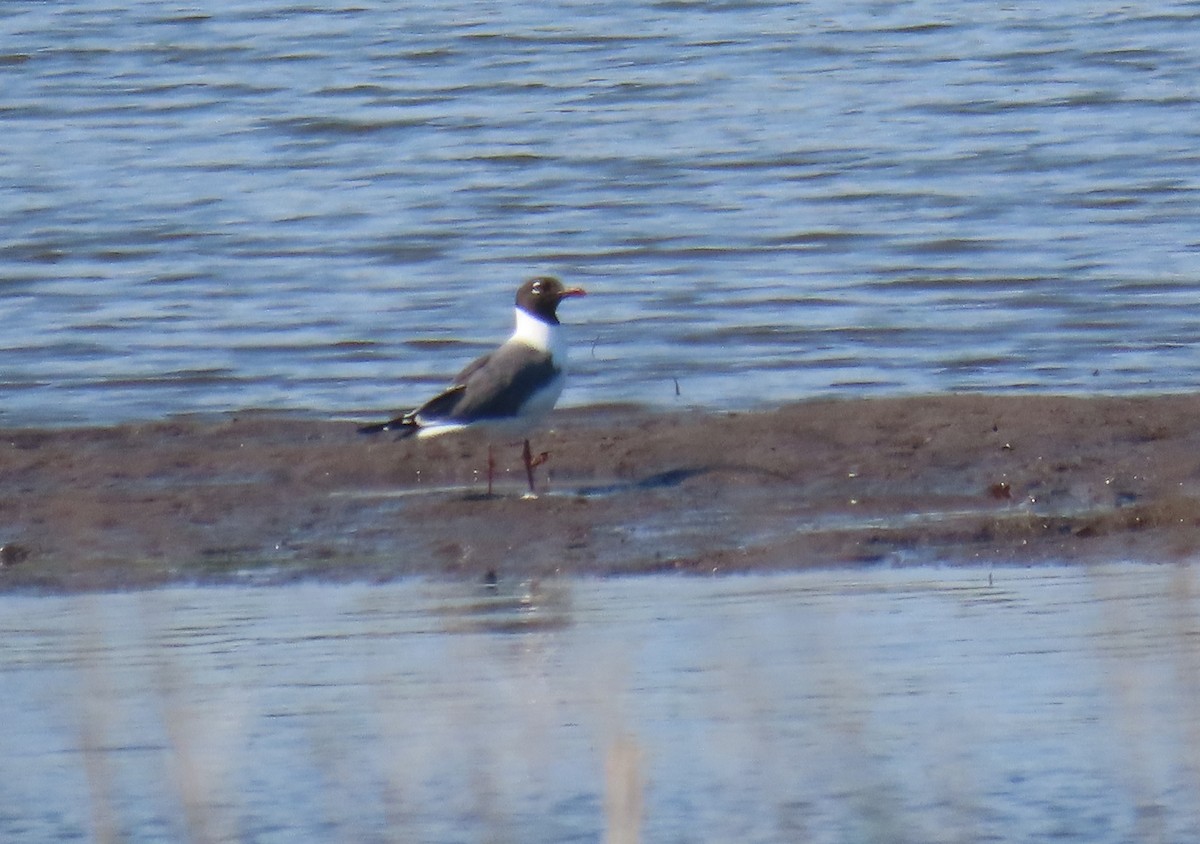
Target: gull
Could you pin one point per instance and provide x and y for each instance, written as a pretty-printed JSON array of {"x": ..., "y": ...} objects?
[{"x": 507, "y": 391}]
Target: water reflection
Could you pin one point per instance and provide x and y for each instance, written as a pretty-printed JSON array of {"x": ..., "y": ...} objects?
[
  {"x": 889, "y": 705},
  {"x": 499, "y": 606}
]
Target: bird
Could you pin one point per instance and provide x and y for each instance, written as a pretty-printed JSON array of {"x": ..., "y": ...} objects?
[{"x": 507, "y": 391}]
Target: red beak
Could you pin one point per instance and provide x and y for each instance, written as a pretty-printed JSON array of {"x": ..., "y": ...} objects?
[{"x": 574, "y": 291}]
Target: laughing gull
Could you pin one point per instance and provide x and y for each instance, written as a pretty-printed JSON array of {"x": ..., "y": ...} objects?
[{"x": 507, "y": 391}]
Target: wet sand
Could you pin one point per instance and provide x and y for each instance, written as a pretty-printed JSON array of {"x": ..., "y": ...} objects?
[{"x": 968, "y": 479}]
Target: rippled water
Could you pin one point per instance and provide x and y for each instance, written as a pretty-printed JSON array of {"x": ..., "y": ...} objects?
[
  {"x": 918, "y": 705},
  {"x": 326, "y": 207}
]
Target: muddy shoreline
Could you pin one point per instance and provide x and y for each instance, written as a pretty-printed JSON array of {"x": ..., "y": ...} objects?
[{"x": 966, "y": 479}]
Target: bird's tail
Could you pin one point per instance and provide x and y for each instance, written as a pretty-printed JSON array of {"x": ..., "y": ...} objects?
[{"x": 405, "y": 426}]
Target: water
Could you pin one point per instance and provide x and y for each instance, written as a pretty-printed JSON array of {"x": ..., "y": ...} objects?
[
  {"x": 909, "y": 705},
  {"x": 327, "y": 207}
]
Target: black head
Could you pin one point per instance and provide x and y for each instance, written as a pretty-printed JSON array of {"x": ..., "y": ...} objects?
[{"x": 540, "y": 296}]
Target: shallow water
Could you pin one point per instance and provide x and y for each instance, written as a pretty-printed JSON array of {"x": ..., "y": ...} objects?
[
  {"x": 327, "y": 207},
  {"x": 878, "y": 705}
]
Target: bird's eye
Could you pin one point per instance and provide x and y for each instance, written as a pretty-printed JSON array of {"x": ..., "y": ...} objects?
[{"x": 537, "y": 287}]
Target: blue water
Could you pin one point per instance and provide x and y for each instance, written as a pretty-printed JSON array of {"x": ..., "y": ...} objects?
[
  {"x": 327, "y": 207},
  {"x": 913, "y": 705}
]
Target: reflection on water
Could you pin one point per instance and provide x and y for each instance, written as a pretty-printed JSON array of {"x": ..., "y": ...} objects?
[{"x": 882, "y": 705}]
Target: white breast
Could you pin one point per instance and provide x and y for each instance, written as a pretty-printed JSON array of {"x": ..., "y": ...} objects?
[{"x": 540, "y": 335}]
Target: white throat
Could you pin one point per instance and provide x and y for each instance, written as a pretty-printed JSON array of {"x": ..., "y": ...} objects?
[{"x": 540, "y": 335}]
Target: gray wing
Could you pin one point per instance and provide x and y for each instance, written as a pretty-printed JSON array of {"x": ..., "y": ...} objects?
[{"x": 494, "y": 386}]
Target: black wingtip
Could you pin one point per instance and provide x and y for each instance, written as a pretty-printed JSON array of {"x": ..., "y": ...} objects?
[{"x": 402, "y": 426}]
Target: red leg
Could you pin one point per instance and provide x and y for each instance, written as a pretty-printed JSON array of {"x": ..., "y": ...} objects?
[
  {"x": 528, "y": 457},
  {"x": 491, "y": 469},
  {"x": 532, "y": 463}
]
